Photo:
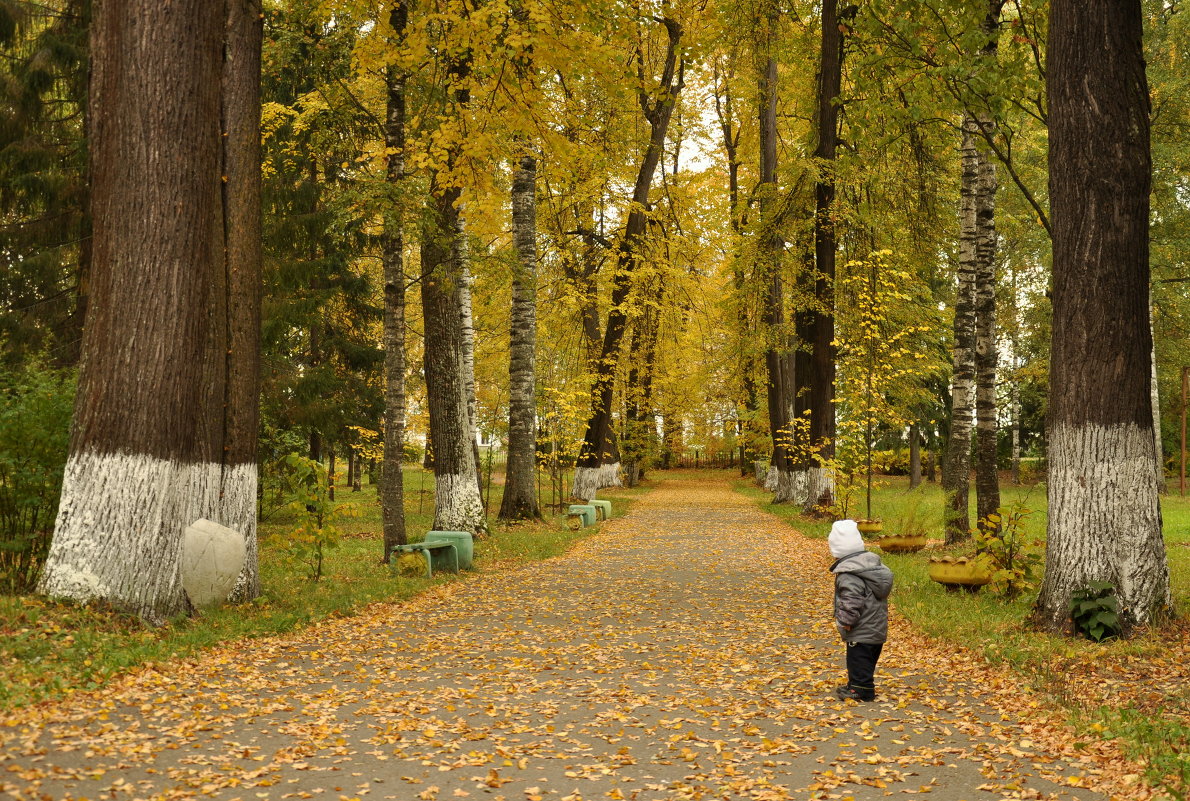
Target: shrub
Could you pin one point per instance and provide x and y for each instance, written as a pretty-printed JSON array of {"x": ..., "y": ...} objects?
[
  {"x": 1095, "y": 611},
  {"x": 1000, "y": 540},
  {"x": 35, "y": 409}
]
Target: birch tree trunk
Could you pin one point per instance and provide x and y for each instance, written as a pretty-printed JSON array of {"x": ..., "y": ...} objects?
[
  {"x": 957, "y": 475},
  {"x": 392, "y": 479},
  {"x": 165, "y": 418},
  {"x": 658, "y": 107},
  {"x": 520, "y": 491},
  {"x": 467, "y": 363},
  {"x": 820, "y": 489},
  {"x": 1104, "y": 512},
  {"x": 987, "y": 480}
]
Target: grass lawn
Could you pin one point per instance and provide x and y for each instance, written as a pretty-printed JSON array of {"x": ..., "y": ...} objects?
[
  {"x": 1132, "y": 689},
  {"x": 48, "y": 650}
]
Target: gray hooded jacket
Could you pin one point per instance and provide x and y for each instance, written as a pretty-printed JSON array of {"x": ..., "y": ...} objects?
[{"x": 862, "y": 586}]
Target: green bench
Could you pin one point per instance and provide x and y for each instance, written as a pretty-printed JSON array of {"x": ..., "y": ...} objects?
[
  {"x": 432, "y": 549},
  {"x": 583, "y": 511},
  {"x": 603, "y": 507}
]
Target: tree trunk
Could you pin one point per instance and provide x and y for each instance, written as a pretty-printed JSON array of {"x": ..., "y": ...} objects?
[
  {"x": 330, "y": 473},
  {"x": 821, "y": 483},
  {"x": 392, "y": 478},
  {"x": 244, "y": 34},
  {"x": 165, "y": 418},
  {"x": 1104, "y": 511},
  {"x": 769, "y": 251},
  {"x": 914, "y": 456},
  {"x": 458, "y": 502},
  {"x": 392, "y": 487},
  {"x": 957, "y": 475},
  {"x": 639, "y": 417},
  {"x": 658, "y": 108},
  {"x": 520, "y": 491},
  {"x": 987, "y": 480}
]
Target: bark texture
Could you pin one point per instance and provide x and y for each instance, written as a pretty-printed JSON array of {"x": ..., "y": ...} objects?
[
  {"x": 820, "y": 486},
  {"x": 1105, "y": 519},
  {"x": 165, "y": 417},
  {"x": 458, "y": 504},
  {"x": 957, "y": 474},
  {"x": 392, "y": 479},
  {"x": 520, "y": 489},
  {"x": 987, "y": 480}
]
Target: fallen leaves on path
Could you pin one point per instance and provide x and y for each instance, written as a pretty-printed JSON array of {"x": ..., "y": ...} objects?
[{"x": 686, "y": 652}]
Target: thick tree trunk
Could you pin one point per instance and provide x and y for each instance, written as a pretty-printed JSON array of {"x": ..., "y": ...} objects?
[
  {"x": 458, "y": 504},
  {"x": 640, "y": 419},
  {"x": 1104, "y": 514},
  {"x": 957, "y": 475},
  {"x": 520, "y": 490},
  {"x": 658, "y": 107},
  {"x": 165, "y": 418},
  {"x": 821, "y": 484},
  {"x": 392, "y": 479}
]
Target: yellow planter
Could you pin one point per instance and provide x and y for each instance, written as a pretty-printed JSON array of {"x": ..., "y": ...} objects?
[
  {"x": 960, "y": 572},
  {"x": 902, "y": 543},
  {"x": 869, "y": 526}
]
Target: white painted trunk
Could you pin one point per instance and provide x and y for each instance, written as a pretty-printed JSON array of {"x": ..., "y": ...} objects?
[
  {"x": 820, "y": 484},
  {"x": 457, "y": 503},
  {"x": 118, "y": 534},
  {"x": 789, "y": 486},
  {"x": 770, "y": 478},
  {"x": 1104, "y": 520},
  {"x": 586, "y": 482},
  {"x": 608, "y": 475},
  {"x": 238, "y": 507}
]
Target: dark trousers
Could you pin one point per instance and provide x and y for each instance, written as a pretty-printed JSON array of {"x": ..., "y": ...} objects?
[{"x": 861, "y": 666}]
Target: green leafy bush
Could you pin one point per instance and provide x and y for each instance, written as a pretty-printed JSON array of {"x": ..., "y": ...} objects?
[
  {"x": 1095, "y": 611},
  {"x": 35, "y": 409},
  {"x": 1000, "y": 539}
]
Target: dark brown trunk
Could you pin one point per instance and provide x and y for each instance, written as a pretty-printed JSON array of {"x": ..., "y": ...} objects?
[
  {"x": 822, "y": 354},
  {"x": 168, "y": 386},
  {"x": 914, "y": 456},
  {"x": 1104, "y": 513}
]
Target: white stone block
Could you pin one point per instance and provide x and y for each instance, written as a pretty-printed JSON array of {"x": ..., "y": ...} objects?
[{"x": 212, "y": 558}]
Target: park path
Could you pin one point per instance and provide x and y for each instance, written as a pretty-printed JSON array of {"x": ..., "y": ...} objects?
[{"x": 685, "y": 652}]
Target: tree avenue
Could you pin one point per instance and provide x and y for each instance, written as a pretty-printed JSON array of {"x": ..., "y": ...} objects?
[{"x": 514, "y": 254}]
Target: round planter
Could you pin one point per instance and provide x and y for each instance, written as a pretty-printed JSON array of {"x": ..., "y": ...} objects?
[
  {"x": 955, "y": 573},
  {"x": 902, "y": 543},
  {"x": 869, "y": 526}
]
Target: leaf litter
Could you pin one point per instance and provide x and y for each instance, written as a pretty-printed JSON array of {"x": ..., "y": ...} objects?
[{"x": 686, "y": 652}]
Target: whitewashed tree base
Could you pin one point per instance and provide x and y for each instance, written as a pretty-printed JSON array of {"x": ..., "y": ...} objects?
[
  {"x": 457, "y": 504},
  {"x": 609, "y": 475},
  {"x": 119, "y": 532},
  {"x": 1104, "y": 521},
  {"x": 789, "y": 485},
  {"x": 819, "y": 481}
]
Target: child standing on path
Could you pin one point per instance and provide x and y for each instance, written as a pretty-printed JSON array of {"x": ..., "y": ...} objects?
[{"x": 862, "y": 587}]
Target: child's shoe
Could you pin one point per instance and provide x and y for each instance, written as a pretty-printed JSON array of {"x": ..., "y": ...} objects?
[{"x": 847, "y": 692}]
